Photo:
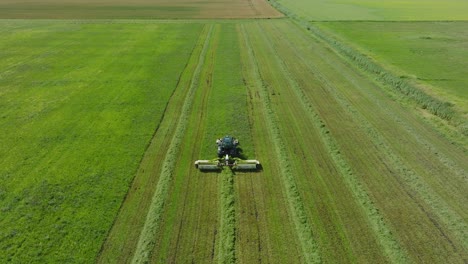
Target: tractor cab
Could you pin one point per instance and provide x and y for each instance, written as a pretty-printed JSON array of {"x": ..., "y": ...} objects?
[{"x": 227, "y": 145}]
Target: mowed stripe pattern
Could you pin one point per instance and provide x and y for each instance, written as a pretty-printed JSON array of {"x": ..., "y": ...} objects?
[{"x": 349, "y": 175}]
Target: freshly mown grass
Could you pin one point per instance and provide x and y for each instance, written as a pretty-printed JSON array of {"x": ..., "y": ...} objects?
[
  {"x": 325, "y": 10},
  {"x": 79, "y": 102}
]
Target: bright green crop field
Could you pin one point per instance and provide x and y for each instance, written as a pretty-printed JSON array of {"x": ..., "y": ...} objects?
[
  {"x": 434, "y": 54},
  {"x": 378, "y": 10}
]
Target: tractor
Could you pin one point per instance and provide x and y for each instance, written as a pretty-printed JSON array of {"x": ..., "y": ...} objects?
[{"x": 228, "y": 156}]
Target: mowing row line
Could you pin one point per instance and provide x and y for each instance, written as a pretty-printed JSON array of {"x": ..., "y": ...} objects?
[{"x": 393, "y": 82}]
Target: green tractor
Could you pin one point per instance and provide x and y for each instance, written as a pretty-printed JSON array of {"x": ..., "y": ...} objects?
[{"x": 228, "y": 156}]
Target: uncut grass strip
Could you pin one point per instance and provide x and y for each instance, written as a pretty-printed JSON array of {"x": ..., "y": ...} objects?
[
  {"x": 389, "y": 243},
  {"x": 310, "y": 248},
  {"x": 456, "y": 222},
  {"x": 147, "y": 237},
  {"x": 452, "y": 220}
]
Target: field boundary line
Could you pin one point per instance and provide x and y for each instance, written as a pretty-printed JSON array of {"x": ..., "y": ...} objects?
[
  {"x": 153, "y": 218},
  {"x": 309, "y": 245}
]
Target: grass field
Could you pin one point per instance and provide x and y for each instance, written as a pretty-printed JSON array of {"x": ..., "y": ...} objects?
[
  {"x": 102, "y": 120},
  {"x": 432, "y": 54},
  {"x": 390, "y": 10},
  {"x": 139, "y": 9},
  {"x": 79, "y": 103}
]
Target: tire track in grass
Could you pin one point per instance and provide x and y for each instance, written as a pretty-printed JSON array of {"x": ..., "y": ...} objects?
[
  {"x": 309, "y": 245},
  {"x": 147, "y": 238},
  {"x": 390, "y": 245}
]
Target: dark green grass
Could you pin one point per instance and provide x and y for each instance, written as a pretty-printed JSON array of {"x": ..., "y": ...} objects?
[
  {"x": 434, "y": 54},
  {"x": 78, "y": 103}
]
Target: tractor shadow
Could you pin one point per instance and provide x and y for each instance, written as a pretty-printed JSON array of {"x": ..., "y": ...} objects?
[{"x": 240, "y": 154}]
